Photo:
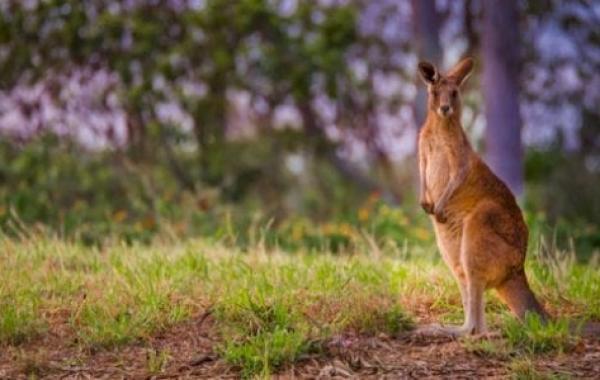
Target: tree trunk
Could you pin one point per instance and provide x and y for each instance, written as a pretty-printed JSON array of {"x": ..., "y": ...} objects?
[
  {"x": 500, "y": 45},
  {"x": 426, "y": 26},
  {"x": 426, "y": 19}
]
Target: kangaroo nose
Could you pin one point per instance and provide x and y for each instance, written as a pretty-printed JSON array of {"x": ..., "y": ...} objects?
[{"x": 445, "y": 109}]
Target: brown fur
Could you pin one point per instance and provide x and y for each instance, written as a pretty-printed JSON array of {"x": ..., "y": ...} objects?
[{"x": 479, "y": 227}]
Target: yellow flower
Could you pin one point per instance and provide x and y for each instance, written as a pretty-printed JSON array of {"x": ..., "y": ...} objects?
[
  {"x": 402, "y": 219},
  {"x": 363, "y": 214},
  {"x": 421, "y": 233},
  {"x": 346, "y": 230},
  {"x": 329, "y": 228},
  {"x": 297, "y": 232},
  {"x": 120, "y": 216}
]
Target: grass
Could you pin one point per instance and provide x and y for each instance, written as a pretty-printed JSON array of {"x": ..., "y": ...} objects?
[
  {"x": 534, "y": 336},
  {"x": 524, "y": 369},
  {"x": 528, "y": 338},
  {"x": 487, "y": 348},
  {"x": 157, "y": 360},
  {"x": 18, "y": 320},
  {"x": 271, "y": 308}
]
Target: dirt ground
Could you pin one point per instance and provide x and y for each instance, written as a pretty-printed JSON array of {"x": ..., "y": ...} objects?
[{"x": 189, "y": 349}]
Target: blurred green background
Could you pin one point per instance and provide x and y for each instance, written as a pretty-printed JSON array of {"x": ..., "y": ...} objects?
[{"x": 291, "y": 123}]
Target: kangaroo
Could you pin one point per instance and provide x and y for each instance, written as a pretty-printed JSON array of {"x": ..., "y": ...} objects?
[{"x": 478, "y": 225}]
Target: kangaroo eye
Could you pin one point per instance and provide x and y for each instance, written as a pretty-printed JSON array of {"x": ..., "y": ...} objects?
[{"x": 454, "y": 93}]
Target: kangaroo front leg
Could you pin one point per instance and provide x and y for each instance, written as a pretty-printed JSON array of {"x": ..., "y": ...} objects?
[
  {"x": 440, "y": 205},
  {"x": 424, "y": 198}
]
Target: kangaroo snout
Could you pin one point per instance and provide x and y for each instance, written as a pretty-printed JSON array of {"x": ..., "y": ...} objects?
[{"x": 445, "y": 110}]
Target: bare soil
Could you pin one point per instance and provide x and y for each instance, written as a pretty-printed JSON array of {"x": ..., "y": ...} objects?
[{"x": 187, "y": 351}]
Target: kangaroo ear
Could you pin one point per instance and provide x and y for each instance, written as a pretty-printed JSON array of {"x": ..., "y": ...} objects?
[
  {"x": 462, "y": 70},
  {"x": 428, "y": 72}
]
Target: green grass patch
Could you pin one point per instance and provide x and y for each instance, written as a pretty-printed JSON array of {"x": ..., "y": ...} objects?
[
  {"x": 19, "y": 319},
  {"x": 261, "y": 353},
  {"x": 535, "y": 336},
  {"x": 524, "y": 369},
  {"x": 486, "y": 348},
  {"x": 157, "y": 360},
  {"x": 270, "y": 307},
  {"x": 274, "y": 310}
]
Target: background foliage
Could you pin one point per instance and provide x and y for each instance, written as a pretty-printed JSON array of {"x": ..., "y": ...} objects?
[{"x": 231, "y": 118}]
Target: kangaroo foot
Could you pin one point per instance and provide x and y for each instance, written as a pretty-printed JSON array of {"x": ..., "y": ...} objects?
[{"x": 436, "y": 330}]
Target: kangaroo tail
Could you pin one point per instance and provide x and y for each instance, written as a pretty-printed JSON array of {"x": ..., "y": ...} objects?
[{"x": 515, "y": 292}]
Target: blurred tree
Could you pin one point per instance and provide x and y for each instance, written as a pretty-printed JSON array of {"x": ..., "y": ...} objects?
[
  {"x": 500, "y": 48},
  {"x": 427, "y": 22},
  {"x": 200, "y": 58}
]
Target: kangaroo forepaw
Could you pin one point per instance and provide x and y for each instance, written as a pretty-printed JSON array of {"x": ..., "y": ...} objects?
[
  {"x": 440, "y": 212},
  {"x": 441, "y": 217},
  {"x": 428, "y": 207}
]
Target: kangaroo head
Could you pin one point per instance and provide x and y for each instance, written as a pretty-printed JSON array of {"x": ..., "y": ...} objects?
[{"x": 444, "y": 90}]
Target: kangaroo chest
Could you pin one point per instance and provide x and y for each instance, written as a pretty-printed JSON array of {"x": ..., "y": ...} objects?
[{"x": 440, "y": 165}]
